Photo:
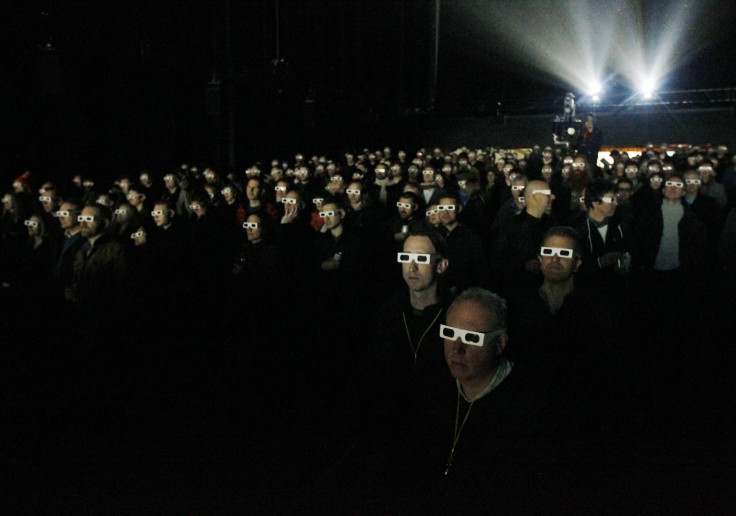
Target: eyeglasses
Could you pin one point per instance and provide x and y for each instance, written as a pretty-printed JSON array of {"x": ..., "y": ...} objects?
[
  {"x": 577, "y": 164},
  {"x": 706, "y": 169},
  {"x": 288, "y": 200},
  {"x": 132, "y": 196},
  {"x": 403, "y": 205},
  {"x": 545, "y": 192},
  {"x": 225, "y": 191},
  {"x": 88, "y": 183},
  {"x": 631, "y": 170},
  {"x": 336, "y": 179},
  {"x": 156, "y": 213},
  {"x": 473, "y": 338},
  {"x": 168, "y": 178},
  {"x": 324, "y": 214},
  {"x": 139, "y": 234},
  {"x": 7, "y": 200},
  {"x": 609, "y": 200},
  {"x": 556, "y": 251},
  {"x": 251, "y": 225},
  {"x": 676, "y": 184},
  {"x": 279, "y": 188},
  {"x": 120, "y": 212},
  {"x": 85, "y": 218},
  {"x": 421, "y": 258},
  {"x": 582, "y": 200},
  {"x": 432, "y": 212},
  {"x": 31, "y": 223},
  {"x": 692, "y": 181},
  {"x": 446, "y": 207},
  {"x": 522, "y": 199},
  {"x": 64, "y": 213},
  {"x": 517, "y": 188},
  {"x": 655, "y": 179},
  {"x": 44, "y": 198},
  {"x": 252, "y": 172},
  {"x": 194, "y": 207},
  {"x": 352, "y": 191},
  {"x": 318, "y": 200}
]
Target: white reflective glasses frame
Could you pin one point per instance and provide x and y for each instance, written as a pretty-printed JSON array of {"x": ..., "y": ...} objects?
[
  {"x": 562, "y": 252},
  {"x": 44, "y": 198},
  {"x": 330, "y": 213},
  {"x": 403, "y": 205},
  {"x": 155, "y": 213},
  {"x": 120, "y": 211},
  {"x": 655, "y": 179},
  {"x": 139, "y": 234},
  {"x": 516, "y": 188},
  {"x": 545, "y": 192},
  {"x": 352, "y": 191},
  {"x": 251, "y": 225},
  {"x": 676, "y": 184},
  {"x": 468, "y": 337},
  {"x": 31, "y": 223},
  {"x": 318, "y": 200},
  {"x": 288, "y": 200},
  {"x": 446, "y": 207},
  {"x": 692, "y": 181},
  {"x": 279, "y": 188},
  {"x": 432, "y": 212},
  {"x": 418, "y": 258},
  {"x": 85, "y": 218}
]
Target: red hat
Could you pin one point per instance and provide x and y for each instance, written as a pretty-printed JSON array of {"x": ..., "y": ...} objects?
[{"x": 24, "y": 179}]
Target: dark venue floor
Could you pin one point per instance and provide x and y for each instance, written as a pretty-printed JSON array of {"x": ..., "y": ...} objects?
[{"x": 213, "y": 419}]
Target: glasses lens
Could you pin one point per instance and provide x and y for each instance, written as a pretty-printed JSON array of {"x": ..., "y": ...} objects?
[
  {"x": 565, "y": 253},
  {"x": 448, "y": 332},
  {"x": 422, "y": 258},
  {"x": 404, "y": 258},
  {"x": 546, "y": 251},
  {"x": 472, "y": 337}
]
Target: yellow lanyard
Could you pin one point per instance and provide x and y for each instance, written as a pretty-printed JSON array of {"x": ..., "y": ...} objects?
[{"x": 457, "y": 432}]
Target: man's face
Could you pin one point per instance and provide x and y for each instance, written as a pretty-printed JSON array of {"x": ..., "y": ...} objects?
[
  {"x": 125, "y": 185},
  {"x": 253, "y": 190},
  {"x": 48, "y": 201},
  {"x": 161, "y": 215},
  {"x": 547, "y": 156},
  {"x": 547, "y": 173},
  {"x": 395, "y": 170},
  {"x": 607, "y": 206},
  {"x": 402, "y": 155},
  {"x": 292, "y": 207},
  {"x": 675, "y": 189},
  {"x": 302, "y": 174},
  {"x": 145, "y": 179},
  {"x": 428, "y": 176},
  {"x": 406, "y": 208},
  {"x": 123, "y": 213},
  {"x": 555, "y": 268},
  {"x": 624, "y": 193},
  {"x": 227, "y": 194},
  {"x": 33, "y": 225},
  {"x": 692, "y": 183},
  {"x": 354, "y": 192},
  {"x": 70, "y": 220},
  {"x": 467, "y": 362},
  {"x": 706, "y": 171},
  {"x": 95, "y": 227},
  {"x": 420, "y": 277},
  {"x": 333, "y": 215},
  {"x": 280, "y": 189},
  {"x": 170, "y": 181},
  {"x": 653, "y": 167},
  {"x": 254, "y": 234},
  {"x": 448, "y": 211},
  {"x": 135, "y": 198}
]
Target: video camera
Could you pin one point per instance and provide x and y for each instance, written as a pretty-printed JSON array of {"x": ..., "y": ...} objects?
[{"x": 566, "y": 129}]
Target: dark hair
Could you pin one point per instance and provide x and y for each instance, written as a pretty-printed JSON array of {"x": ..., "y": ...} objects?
[
  {"x": 410, "y": 195},
  {"x": 565, "y": 231},
  {"x": 595, "y": 190},
  {"x": 423, "y": 229}
]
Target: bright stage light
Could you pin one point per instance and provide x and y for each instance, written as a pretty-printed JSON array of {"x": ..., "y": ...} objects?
[{"x": 647, "y": 89}]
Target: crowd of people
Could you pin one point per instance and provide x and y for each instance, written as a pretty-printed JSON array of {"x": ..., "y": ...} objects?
[{"x": 509, "y": 271}]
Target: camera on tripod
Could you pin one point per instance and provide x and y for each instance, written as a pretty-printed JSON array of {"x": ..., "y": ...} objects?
[{"x": 566, "y": 128}]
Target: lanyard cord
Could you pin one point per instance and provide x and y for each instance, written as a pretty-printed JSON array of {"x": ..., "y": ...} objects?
[
  {"x": 457, "y": 432},
  {"x": 421, "y": 339}
]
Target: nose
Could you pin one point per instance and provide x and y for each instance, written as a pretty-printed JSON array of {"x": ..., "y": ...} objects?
[{"x": 458, "y": 348}]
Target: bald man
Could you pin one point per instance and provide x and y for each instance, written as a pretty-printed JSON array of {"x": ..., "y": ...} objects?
[{"x": 515, "y": 255}]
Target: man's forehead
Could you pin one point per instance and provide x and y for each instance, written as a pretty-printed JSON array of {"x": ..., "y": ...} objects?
[
  {"x": 419, "y": 244},
  {"x": 559, "y": 241},
  {"x": 406, "y": 199},
  {"x": 330, "y": 206},
  {"x": 447, "y": 200}
]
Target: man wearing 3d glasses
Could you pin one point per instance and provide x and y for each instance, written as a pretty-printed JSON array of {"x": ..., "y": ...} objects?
[
  {"x": 101, "y": 272},
  {"x": 494, "y": 437}
]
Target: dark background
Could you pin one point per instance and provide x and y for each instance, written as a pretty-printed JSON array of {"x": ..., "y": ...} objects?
[{"x": 124, "y": 85}]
